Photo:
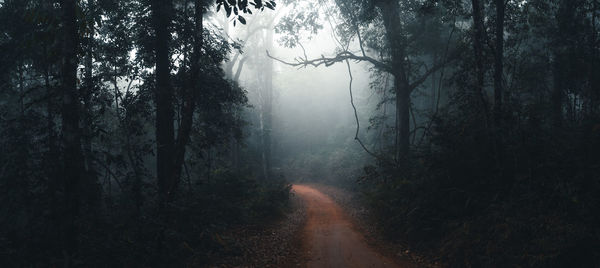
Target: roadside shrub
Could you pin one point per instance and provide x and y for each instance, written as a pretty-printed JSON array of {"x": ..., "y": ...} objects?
[{"x": 526, "y": 196}]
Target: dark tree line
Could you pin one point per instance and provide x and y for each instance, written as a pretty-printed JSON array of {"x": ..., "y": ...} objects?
[
  {"x": 116, "y": 121},
  {"x": 491, "y": 157}
]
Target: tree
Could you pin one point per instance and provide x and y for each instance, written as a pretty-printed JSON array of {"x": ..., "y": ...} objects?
[
  {"x": 255, "y": 30},
  {"x": 77, "y": 84},
  {"x": 165, "y": 140},
  {"x": 190, "y": 95},
  {"x": 267, "y": 106},
  {"x": 499, "y": 59},
  {"x": 92, "y": 191},
  {"x": 391, "y": 20},
  {"x": 394, "y": 56},
  {"x": 170, "y": 154},
  {"x": 478, "y": 42},
  {"x": 73, "y": 160}
]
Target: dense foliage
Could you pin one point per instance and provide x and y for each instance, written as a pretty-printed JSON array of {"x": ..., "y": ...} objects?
[
  {"x": 498, "y": 102},
  {"x": 511, "y": 185},
  {"x": 90, "y": 92}
]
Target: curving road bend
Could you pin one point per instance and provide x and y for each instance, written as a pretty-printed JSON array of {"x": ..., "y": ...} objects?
[{"x": 329, "y": 237}]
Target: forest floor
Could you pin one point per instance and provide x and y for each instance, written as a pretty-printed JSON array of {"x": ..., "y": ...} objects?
[
  {"x": 271, "y": 245},
  {"x": 325, "y": 227}
]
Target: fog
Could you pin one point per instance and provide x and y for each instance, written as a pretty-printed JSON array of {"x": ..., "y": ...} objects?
[{"x": 313, "y": 125}]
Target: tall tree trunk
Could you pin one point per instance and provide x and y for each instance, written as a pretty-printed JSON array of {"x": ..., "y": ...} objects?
[
  {"x": 161, "y": 19},
  {"x": 391, "y": 20},
  {"x": 563, "y": 18},
  {"x": 71, "y": 134},
  {"x": 594, "y": 93},
  {"x": 557, "y": 92},
  {"x": 190, "y": 96},
  {"x": 53, "y": 155},
  {"x": 499, "y": 59},
  {"x": 92, "y": 188},
  {"x": 478, "y": 48},
  {"x": 267, "y": 115},
  {"x": 51, "y": 141}
]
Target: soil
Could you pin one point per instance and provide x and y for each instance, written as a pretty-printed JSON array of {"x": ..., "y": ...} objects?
[
  {"x": 363, "y": 220},
  {"x": 331, "y": 240}
]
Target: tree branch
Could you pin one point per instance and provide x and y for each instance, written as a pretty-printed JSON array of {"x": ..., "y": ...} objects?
[
  {"x": 356, "y": 117},
  {"x": 328, "y": 61}
]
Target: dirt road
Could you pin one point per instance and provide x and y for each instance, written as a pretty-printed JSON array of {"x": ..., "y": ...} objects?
[{"x": 329, "y": 237}]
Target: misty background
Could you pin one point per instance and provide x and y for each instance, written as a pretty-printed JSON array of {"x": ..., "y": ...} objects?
[{"x": 313, "y": 120}]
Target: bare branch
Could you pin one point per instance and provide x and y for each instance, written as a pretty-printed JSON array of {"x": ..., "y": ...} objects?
[
  {"x": 303, "y": 49},
  {"x": 356, "y": 137},
  {"x": 328, "y": 61}
]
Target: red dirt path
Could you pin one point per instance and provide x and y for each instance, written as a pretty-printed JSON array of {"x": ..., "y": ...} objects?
[{"x": 329, "y": 237}]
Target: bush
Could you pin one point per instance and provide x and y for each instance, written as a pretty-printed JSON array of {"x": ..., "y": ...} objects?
[{"x": 526, "y": 197}]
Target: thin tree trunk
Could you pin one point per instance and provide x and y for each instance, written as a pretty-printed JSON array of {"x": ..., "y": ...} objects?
[
  {"x": 557, "y": 93},
  {"x": 53, "y": 155},
  {"x": 499, "y": 59},
  {"x": 71, "y": 134},
  {"x": 563, "y": 18},
  {"x": 403, "y": 114},
  {"x": 91, "y": 184},
  {"x": 240, "y": 67},
  {"x": 52, "y": 150},
  {"x": 593, "y": 77},
  {"x": 478, "y": 48},
  {"x": 267, "y": 107},
  {"x": 163, "y": 96},
  {"x": 189, "y": 99}
]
